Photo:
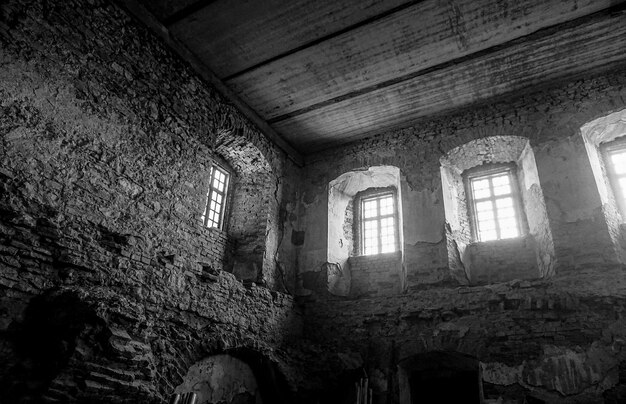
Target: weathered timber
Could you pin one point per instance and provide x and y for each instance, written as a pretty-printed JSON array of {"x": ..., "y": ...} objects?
[
  {"x": 233, "y": 35},
  {"x": 416, "y": 38},
  {"x": 567, "y": 52}
]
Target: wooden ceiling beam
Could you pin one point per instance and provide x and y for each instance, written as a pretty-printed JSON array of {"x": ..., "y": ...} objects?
[
  {"x": 412, "y": 40},
  {"x": 230, "y": 36},
  {"x": 569, "y": 50},
  {"x": 145, "y": 17}
]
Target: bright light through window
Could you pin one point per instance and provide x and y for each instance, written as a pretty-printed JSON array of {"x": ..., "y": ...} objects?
[
  {"x": 378, "y": 224},
  {"x": 214, "y": 212},
  {"x": 495, "y": 210},
  {"x": 617, "y": 160}
]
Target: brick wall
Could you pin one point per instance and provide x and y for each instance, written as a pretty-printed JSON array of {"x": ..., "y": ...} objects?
[
  {"x": 106, "y": 144},
  {"x": 550, "y": 339},
  {"x": 376, "y": 275},
  {"x": 502, "y": 260}
]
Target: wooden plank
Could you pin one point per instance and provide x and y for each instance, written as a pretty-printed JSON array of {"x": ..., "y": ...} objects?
[
  {"x": 413, "y": 39},
  {"x": 163, "y": 9},
  {"x": 232, "y": 35},
  {"x": 566, "y": 52},
  {"x": 145, "y": 17}
]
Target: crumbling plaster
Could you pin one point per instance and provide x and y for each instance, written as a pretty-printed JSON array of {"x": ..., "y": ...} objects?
[{"x": 571, "y": 322}]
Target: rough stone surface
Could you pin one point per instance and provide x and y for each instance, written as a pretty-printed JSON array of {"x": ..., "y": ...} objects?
[
  {"x": 111, "y": 290},
  {"x": 559, "y": 339},
  {"x": 110, "y": 287}
]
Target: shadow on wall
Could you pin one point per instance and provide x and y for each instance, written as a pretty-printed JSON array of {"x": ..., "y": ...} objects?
[
  {"x": 599, "y": 135},
  {"x": 54, "y": 324},
  {"x": 252, "y": 225},
  {"x": 440, "y": 377}
]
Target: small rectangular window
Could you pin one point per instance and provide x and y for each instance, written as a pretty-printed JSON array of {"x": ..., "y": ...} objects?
[
  {"x": 494, "y": 205},
  {"x": 378, "y": 224},
  {"x": 216, "y": 198}
]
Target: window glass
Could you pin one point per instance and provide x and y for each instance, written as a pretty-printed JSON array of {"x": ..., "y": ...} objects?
[
  {"x": 617, "y": 169},
  {"x": 496, "y": 215},
  {"x": 378, "y": 224},
  {"x": 213, "y": 215}
]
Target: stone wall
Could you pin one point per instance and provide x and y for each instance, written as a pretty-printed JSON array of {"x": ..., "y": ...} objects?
[
  {"x": 110, "y": 286},
  {"x": 557, "y": 338},
  {"x": 377, "y": 275}
]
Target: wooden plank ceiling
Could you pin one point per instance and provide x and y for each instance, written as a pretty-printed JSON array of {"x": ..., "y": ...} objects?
[{"x": 325, "y": 72}]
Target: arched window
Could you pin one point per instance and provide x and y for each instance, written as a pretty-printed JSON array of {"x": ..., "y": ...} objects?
[
  {"x": 605, "y": 142},
  {"x": 495, "y": 210},
  {"x": 364, "y": 232}
]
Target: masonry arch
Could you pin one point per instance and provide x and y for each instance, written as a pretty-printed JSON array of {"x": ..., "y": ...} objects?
[
  {"x": 530, "y": 252},
  {"x": 252, "y": 226},
  {"x": 343, "y": 226},
  {"x": 602, "y": 136}
]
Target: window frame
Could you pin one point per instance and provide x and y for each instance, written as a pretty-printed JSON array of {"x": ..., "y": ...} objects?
[
  {"x": 372, "y": 193},
  {"x": 606, "y": 149},
  {"x": 225, "y": 194},
  {"x": 488, "y": 170}
]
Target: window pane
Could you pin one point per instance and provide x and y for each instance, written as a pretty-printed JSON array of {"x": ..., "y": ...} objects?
[
  {"x": 369, "y": 208},
  {"x": 480, "y": 184},
  {"x": 485, "y": 215},
  {"x": 484, "y": 206},
  {"x": 487, "y": 225},
  {"x": 386, "y": 206},
  {"x": 508, "y": 223},
  {"x": 502, "y": 190},
  {"x": 618, "y": 159},
  {"x": 504, "y": 203},
  {"x": 500, "y": 180},
  {"x": 482, "y": 193},
  {"x": 488, "y": 235},
  {"x": 622, "y": 186}
]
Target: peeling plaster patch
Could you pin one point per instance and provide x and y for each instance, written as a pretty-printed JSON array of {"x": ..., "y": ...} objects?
[
  {"x": 499, "y": 373},
  {"x": 570, "y": 372},
  {"x": 423, "y": 216}
]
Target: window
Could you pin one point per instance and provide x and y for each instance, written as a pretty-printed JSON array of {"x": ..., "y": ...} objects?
[
  {"x": 615, "y": 158},
  {"x": 216, "y": 198},
  {"x": 494, "y": 205},
  {"x": 378, "y": 223}
]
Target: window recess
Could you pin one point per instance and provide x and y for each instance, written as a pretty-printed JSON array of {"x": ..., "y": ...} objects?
[{"x": 615, "y": 160}]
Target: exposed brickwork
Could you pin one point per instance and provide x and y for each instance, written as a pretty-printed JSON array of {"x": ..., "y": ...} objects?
[
  {"x": 503, "y": 260},
  {"x": 376, "y": 275},
  {"x": 106, "y": 143},
  {"x": 515, "y": 329},
  {"x": 526, "y": 334},
  {"x": 350, "y": 229}
]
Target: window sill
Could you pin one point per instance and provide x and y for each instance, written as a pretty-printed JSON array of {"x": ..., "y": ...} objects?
[
  {"x": 504, "y": 241},
  {"x": 377, "y": 257}
]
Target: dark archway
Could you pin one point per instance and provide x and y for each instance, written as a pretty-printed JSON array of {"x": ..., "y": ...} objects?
[
  {"x": 237, "y": 376},
  {"x": 440, "y": 377}
]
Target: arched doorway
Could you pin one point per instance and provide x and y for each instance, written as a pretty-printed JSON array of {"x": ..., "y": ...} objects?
[{"x": 440, "y": 377}]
